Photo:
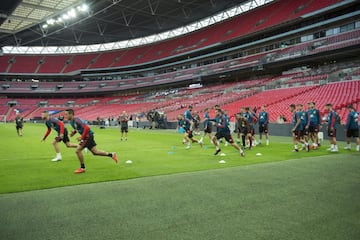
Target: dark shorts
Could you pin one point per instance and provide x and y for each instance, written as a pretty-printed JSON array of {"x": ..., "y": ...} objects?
[
  {"x": 227, "y": 136},
  {"x": 208, "y": 130},
  {"x": 263, "y": 128},
  {"x": 65, "y": 139},
  {"x": 352, "y": 133},
  {"x": 19, "y": 126},
  {"x": 313, "y": 129},
  {"x": 124, "y": 129},
  {"x": 331, "y": 133},
  {"x": 89, "y": 143},
  {"x": 189, "y": 134},
  {"x": 299, "y": 133}
]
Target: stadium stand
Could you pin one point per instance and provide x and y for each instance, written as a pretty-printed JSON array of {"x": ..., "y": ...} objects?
[{"x": 253, "y": 21}]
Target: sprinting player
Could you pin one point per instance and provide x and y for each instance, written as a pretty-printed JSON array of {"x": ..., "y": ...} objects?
[
  {"x": 19, "y": 122},
  {"x": 86, "y": 140},
  {"x": 62, "y": 132},
  {"x": 223, "y": 132},
  {"x": 352, "y": 128},
  {"x": 207, "y": 126},
  {"x": 264, "y": 125},
  {"x": 124, "y": 127},
  {"x": 313, "y": 124},
  {"x": 332, "y": 125},
  {"x": 197, "y": 120},
  {"x": 188, "y": 136}
]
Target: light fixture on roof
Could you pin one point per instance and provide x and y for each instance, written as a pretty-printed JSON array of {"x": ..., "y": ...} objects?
[
  {"x": 83, "y": 7},
  {"x": 50, "y": 21}
]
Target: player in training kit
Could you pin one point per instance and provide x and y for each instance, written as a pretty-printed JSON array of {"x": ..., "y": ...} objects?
[
  {"x": 207, "y": 126},
  {"x": 124, "y": 127},
  {"x": 352, "y": 128},
  {"x": 188, "y": 136},
  {"x": 244, "y": 126},
  {"x": 313, "y": 124},
  {"x": 252, "y": 119},
  {"x": 332, "y": 125},
  {"x": 19, "y": 122},
  {"x": 263, "y": 124},
  {"x": 304, "y": 126},
  {"x": 59, "y": 127},
  {"x": 196, "y": 120},
  {"x": 299, "y": 124},
  {"x": 223, "y": 132},
  {"x": 86, "y": 139}
]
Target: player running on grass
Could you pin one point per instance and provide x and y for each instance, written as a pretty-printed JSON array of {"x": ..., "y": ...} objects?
[
  {"x": 62, "y": 132},
  {"x": 207, "y": 126},
  {"x": 86, "y": 140},
  {"x": 223, "y": 131},
  {"x": 188, "y": 136},
  {"x": 19, "y": 122}
]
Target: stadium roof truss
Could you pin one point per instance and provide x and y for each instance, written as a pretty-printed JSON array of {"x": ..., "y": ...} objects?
[{"x": 35, "y": 16}]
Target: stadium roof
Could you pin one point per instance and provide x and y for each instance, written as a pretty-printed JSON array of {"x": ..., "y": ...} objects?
[{"x": 26, "y": 22}]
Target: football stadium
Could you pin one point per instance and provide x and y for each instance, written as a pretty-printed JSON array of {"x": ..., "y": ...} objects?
[{"x": 180, "y": 119}]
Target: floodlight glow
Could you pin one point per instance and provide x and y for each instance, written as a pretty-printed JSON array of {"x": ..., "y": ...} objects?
[
  {"x": 59, "y": 20},
  {"x": 45, "y": 25},
  {"x": 65, "y": 16},
  {"x": 72, "y": 13},
  {"x": 50, "y": 21},
  {"x": 83, "y": 7}
]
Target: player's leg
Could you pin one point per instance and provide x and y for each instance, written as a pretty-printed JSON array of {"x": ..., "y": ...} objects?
[
  {"x": 216, "y": 143},
  {"x": 295, "y": 140},
  {"x": 230, "y": 140},
  {"x": 126, "y": 133},
  {"x": 58, "y": 157},
  {"x": 267, "y": 134}
]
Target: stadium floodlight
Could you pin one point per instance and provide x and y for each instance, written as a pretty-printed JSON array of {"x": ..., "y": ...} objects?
[
  {"x": 83, "y": 7},
  {"x": 72, "y": 13},
  {"x": 59, "y": 20},
  {"x": 45, "y": 25},
  {"x": 65, "y": 16},
  {"x": 50, "y": 21}
]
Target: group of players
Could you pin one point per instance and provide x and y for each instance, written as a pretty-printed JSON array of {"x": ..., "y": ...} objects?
[
  {"x": 245, "y": 127},
  {"x": 305, "y": 127},
  {"x": 86, "y": 140}
]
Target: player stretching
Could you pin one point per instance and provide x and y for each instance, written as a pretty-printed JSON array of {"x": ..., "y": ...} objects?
[
  {"x": 313, "y": 124},
  {"x": 223, "y": 132},
  {"x": 263, "y": 124},
  {"x": 207, "y": 126},
  {"x": 86, "y": 140},
  {"x": 60, "y": 128},
  {"x": 352, "y": 128},
  {"x": 332, "y": 125},
  {"x": 19, "y": 121}
]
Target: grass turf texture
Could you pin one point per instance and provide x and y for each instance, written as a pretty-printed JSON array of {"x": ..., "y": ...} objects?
[
  {"x": 25, "y": 161},
  {"x": 315, "y": 198}
]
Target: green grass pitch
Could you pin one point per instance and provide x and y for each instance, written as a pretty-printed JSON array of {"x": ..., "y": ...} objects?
[
  {"x": 25, "y": 161},
  {"x": 169, "y": 192}
]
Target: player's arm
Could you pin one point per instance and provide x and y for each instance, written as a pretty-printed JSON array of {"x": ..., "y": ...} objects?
[
  {"x": 298, "y": 121},
  {"x": 222, "y": 124},
  {"x": 46, "y": 134},
  {"x": 332, "y": 120},
  {"x": 348, "y": 122},
  {"x": 85, "y": 134}
]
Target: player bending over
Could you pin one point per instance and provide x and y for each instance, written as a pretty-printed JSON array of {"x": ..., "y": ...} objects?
[
  {"x": 86, "y": 140},
  {"x": 62, "y": 132}
]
